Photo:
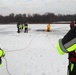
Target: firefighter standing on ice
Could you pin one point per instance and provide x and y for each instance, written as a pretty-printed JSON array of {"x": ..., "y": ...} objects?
[
  {"x": 25, "y": 27},
  {"x": 21, "y": 26},
  {"x": 18, "y": 27},
  {"x": 2, "y": 54},
  {"x": 71, "y": 24},
  {"x": 68, "y": 45}
]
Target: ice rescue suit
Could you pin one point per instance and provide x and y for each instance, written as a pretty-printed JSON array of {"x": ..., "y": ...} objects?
[{"x": 48, "y": 27}]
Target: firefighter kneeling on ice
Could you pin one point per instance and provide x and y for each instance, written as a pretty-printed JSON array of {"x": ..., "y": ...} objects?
[{"x": 48, "y": 28}]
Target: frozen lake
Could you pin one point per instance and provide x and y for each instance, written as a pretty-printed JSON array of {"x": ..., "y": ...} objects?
[{"x": 33, "y": 53}]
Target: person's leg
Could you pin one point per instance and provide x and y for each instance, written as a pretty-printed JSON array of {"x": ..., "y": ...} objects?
[
  {"x": 69, "y": 71},
  {"x": 27, "y": 30},
  {"x": 72, "y": 69},
  {"x": 0, "y": 60},
  {"x": 18, "y": 30},
  {"x": 24, "y": 30}
]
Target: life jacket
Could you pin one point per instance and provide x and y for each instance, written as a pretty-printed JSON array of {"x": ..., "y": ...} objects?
[{"x": 72, "y": 56}]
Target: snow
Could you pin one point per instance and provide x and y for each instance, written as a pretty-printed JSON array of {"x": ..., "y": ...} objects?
[{"x": 33, "y": 53}]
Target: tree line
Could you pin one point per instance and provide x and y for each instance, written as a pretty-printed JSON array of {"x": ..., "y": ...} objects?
[{"x": 36, "y": 18}]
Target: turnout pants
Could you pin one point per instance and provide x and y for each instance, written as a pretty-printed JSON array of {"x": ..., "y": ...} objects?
[{"x": 72, "y": 68}]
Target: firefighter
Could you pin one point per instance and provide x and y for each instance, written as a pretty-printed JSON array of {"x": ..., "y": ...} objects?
[
  {"x": 71, "y": 24},
  {"x": 18, "y": 27},
  {"x": 25, "y": 27},
  {"x": 67, "y": 44},
  {"x": 48, "y": 28},
  {"x": 21, "y": 27},
  {"x": 2, "y": 54}
]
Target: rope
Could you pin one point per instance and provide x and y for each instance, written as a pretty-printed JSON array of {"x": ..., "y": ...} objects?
[
  {"x": 23, "y": 48},
  {"x": 14, "y": 51},
  {"x": 7, "y": 67},
  {"x": 51, "y": 42}
]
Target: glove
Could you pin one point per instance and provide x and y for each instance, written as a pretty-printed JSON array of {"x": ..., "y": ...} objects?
[{"x": 3, "y": 54}]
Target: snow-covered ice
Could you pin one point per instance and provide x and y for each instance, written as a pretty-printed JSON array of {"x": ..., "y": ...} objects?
[{"x": 33, "y": 53}]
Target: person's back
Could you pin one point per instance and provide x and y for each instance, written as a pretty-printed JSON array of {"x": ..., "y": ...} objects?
[
  {"x": 26, "y": 27},
  {"x": 21, "y": 26}
]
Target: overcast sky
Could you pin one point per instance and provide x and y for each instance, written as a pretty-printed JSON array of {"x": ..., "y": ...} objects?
[{"x": 37, "y": 6}]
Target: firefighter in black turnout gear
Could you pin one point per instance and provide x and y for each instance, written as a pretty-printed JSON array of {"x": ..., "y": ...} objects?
[
  {"x": 18, "y": 27},
  {"x": 68, "y": 45}
]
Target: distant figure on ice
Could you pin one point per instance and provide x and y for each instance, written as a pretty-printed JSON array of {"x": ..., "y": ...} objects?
[
  {"x": 48, "y": 28},
  {"x": 71, "y": 24},
  {"x": 21, "y": 27},
  {"x": 2, "y": 54},
  {"x": 18, "y": 27},
  {"x": 25, "y": 27}
]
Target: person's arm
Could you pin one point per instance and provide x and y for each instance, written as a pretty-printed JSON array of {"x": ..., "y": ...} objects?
[{"x": 68, "y": 42}]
